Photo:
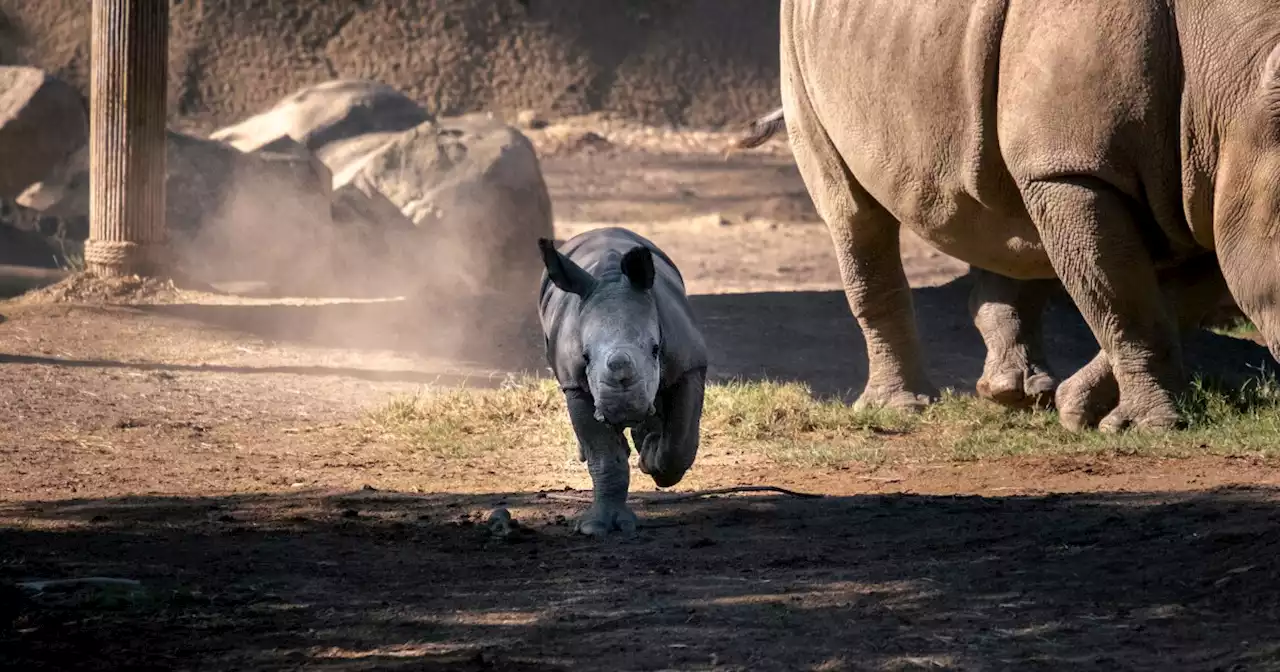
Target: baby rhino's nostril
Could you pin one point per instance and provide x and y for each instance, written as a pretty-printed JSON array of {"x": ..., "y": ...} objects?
[
  {"x": 620, "y": 366},
  {"x": 619, "y": 361}
]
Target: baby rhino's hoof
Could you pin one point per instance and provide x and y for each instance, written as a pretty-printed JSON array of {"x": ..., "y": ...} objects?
[
  {"x": 603, "y": 519},
  {"x": 663, "y": 468}
]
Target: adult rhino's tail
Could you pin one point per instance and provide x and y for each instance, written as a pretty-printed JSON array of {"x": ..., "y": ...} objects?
[{"x": 762, "y": 129}]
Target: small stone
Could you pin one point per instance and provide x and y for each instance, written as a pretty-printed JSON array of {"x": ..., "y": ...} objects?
[
  {"x": 531, "y": 119},
  {"x": 500, "y": 522},
  {"x": 713, "y": 219}
]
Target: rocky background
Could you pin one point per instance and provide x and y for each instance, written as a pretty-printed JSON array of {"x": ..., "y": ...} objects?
[{"x": 686, "y": 62}]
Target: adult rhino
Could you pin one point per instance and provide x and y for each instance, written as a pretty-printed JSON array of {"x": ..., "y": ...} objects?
[{"x": 1106, "y": 144}]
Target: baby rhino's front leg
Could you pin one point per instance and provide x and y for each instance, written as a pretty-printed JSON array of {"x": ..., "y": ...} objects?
[
  {"x": 668, "y": 444},
  {"x": 605, "y": 450}
]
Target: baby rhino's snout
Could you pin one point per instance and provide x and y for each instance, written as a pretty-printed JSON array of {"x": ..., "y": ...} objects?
[
  {"x": 622, "y": 371},
  {"x": 622, "y": 394}
]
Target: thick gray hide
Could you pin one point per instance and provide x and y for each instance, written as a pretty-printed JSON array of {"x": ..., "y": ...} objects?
[
  {"x": 683, "y": 347},
  {"x": 1105, "y": 143},
  {"x": 667, "y": 441}
]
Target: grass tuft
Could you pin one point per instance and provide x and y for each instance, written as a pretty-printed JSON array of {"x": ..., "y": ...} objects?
[
  {"x": 1236, "y": 328},
  {"x": 786, "y": 424},
  {"x": 454, "y": 422}
]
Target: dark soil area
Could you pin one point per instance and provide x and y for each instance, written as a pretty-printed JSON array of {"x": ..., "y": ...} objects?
[{"x": 369, "y": 580}]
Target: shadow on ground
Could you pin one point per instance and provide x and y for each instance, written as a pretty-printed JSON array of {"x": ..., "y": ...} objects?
[
  {"x": 374, "y": 580},
  {"x": 371, "y": 375},
  {"x": 653, "y": 186},
  {"x": 809, "y": 337}
]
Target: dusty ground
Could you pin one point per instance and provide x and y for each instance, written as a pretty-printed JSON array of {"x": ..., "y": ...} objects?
[{"x": 217, "y": 451}]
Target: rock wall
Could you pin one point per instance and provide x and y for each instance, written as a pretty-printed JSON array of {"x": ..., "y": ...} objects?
[{"x": 689, "y": 62}]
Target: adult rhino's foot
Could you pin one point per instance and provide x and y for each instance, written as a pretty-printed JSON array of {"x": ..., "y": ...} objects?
[
  {"x": 1086, "y": 397},
  {"x": 1158, "y": 415},
  {"x": 895, "y": 399},
  {"x": 1007, "y": 313},
  {"x": 1092, "y": 398},
  {"x": 603, "y": 519},
  {"x": 1021, "y": 387}
]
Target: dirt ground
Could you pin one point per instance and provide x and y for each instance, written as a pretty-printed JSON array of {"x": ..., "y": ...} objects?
[{"x": 215, "y": 450}]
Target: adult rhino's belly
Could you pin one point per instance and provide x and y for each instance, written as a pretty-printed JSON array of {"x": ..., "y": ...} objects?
[{"x": 1000, "y": 239}]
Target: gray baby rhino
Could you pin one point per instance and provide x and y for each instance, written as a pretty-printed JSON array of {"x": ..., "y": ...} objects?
[{"x": 623, "y": 343}]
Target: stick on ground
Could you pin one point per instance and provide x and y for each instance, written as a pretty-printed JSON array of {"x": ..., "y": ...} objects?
[{"x": 687, "y": 496}]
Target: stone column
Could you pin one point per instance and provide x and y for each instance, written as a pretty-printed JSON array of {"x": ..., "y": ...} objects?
[{"x": 127, "y": 108}]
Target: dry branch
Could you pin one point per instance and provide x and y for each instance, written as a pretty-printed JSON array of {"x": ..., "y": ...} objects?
[{"x": 688, "y": 496}]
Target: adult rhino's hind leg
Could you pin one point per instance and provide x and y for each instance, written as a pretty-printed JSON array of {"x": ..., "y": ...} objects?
[
  {"x": 866, "y": 239},
  {"x": 1095, "y": 247},
  {"x": 606, "y": 451},
  {"x": 1008, "y": 313}
]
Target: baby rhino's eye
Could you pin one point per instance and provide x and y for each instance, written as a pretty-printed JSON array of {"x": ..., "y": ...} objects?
[
  {"x": 586, "y": 356},
  {"x": 657, "y": 350}
]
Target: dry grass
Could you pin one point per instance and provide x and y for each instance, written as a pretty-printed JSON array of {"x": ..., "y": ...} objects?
[
  {"x": 784, "y": 423},
  {"x": 453, "y": 422}
]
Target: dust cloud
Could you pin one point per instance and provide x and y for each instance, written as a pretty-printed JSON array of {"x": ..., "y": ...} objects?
[
  {"x": 459, "y": 288},
  {"x": 267, "y": 247}
]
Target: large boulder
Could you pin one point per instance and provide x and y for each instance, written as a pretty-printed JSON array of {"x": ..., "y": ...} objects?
[
  {"x": 341, "y": 123},
  {"x": 474, "y": 189},
  {"x": 324, "y": 115},
  {"x": 42, "y": 121}
]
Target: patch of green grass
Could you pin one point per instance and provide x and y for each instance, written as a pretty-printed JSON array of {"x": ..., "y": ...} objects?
[
  {"x": 1236, "y": 328},
  {"x": 1219, "y": 421},
  {"x": 786, "y": 424},
  {"x": 72, "y": 250},
  {"x": 73, "y": 261}
]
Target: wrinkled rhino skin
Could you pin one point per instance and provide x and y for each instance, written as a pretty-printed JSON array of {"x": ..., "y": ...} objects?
[{"x": 1100, "y": 143}]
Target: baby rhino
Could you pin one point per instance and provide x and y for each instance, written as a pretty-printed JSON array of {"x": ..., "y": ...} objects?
[{"x": 622, "y": 341}]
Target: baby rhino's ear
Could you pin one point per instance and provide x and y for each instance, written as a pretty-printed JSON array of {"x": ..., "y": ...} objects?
[
  {"x": 637, "y": 265},
  {"x": 565, "y": 274}
]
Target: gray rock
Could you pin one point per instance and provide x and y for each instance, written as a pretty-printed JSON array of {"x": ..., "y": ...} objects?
[
  {"x": 42, "y": 121},
  {"x": 474, "y": 188},
  {"x": 327, "y": 113}
]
